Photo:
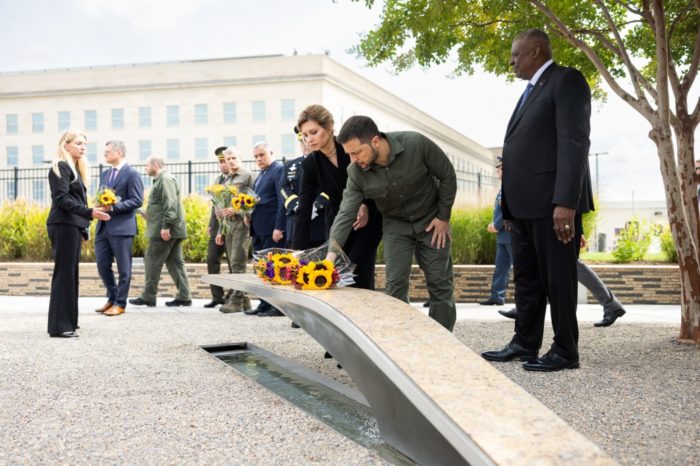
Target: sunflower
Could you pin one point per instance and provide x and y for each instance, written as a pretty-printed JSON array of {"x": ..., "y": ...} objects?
[
  {"x": 232, "y": 190},
  {"x": 236, "y": 203},
  {"x": 320, "y": 280},
  {"x": 304, "y": 273},
  {"x": 249, "y": 201},
  {"x": 216, "y": 188}
]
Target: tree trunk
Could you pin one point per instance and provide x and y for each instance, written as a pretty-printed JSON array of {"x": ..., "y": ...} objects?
[{"x": 681, "y": 227}]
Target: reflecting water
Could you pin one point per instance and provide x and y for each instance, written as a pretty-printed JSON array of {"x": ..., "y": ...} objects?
[{"x": 347, "y": 416}]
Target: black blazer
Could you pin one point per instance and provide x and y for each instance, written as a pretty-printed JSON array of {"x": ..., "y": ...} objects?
[
  {"x": 545, "y": 152},
  {"x": 68, "y": 198}
]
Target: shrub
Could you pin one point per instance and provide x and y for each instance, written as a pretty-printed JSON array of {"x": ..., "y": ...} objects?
[
  {"x": 38, "y": 244},
  {"x": 668, "y": 245},
  {"x": 197, "y": 209},
  {"x": 13, "y": 229},
  {"x": 633, "y": 242},
  {"x": 471, "y": 243}
]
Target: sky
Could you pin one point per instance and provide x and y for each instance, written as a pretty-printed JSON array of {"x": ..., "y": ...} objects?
[{"x": 46, "y": 34}]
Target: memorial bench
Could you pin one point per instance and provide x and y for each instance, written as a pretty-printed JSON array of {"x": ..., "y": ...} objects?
[{"x": 434, "y": 399}]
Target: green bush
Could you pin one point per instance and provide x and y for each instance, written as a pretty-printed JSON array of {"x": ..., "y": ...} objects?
[
  {"x": 197, "y": 209},
  {"x": 13, "y": 229},
  {"x": 668, "y": 245},
  {"x": 633, "y": 242},
  {"x": 38, "y": 244}
]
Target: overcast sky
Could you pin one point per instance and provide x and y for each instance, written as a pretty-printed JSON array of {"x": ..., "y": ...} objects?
[{"x": 40, "y": 34}]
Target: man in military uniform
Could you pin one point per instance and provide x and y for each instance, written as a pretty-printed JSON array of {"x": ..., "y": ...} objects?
[
  {"x": 165, "y": 230},
  {"x": 290, "y": 185},
  {"x": 237, "y": 239},
  {"x": 216, "y": 251}
]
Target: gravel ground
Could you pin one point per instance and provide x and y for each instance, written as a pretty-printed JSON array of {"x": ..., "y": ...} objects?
[{"x": 137, "y": 389}]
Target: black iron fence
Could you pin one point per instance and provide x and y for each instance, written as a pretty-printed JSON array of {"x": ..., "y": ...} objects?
[{"x": 31, "y": 184}]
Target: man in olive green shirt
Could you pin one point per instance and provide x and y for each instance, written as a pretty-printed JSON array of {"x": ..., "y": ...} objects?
[
  {"x": 165, "y": 230},
  {"x": 414, "y": 185}
]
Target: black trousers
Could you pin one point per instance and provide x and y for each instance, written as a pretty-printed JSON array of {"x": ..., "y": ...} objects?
[
  {"x": 66, "y": 241},
  {"x": 544, "y": 269},
  {"x": 361, "y": 249},
  {"x": 214, "y": 255}
]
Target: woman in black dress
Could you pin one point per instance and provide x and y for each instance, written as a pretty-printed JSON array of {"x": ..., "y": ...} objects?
[
  {"x": 325, "y": 171},
  {"x": 67, "y": 225}
]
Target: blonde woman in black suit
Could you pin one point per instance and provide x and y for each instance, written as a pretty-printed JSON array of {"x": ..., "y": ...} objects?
[{"x": 67, "y": 225}]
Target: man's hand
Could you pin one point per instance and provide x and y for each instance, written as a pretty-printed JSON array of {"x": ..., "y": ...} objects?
[
  {"x": 362, "y": 217},
  {"x": 228, "y": 212},
  {"x": 165, "y": 234},
  {"x": 564, "y": 227},
  {"x": 246, "y": 221},
  {"x": 277, "y": 235},
  {"x": 491, "y": 228},
  {"x": 584, "y": 243},
  {"x": 219, "y": 239},
  {"x": 441, "y": 233}
]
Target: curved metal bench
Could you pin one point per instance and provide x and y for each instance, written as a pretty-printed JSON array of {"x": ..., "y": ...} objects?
[{"x": 434, "y": 399}]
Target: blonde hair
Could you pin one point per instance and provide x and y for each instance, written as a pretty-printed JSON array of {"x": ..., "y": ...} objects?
[{"x": 79, "y": 168}]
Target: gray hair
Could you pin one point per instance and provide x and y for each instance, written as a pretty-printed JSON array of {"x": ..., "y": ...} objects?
[
  {"x": 262, "y": 144},
  {"x": 157, "y": 161},
  {"x": 539, "y": 37},
  {"x": 117, "y": 145},
  {"x": 232, "y": 150}
]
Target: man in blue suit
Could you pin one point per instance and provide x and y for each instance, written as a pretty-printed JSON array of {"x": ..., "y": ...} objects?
[
  {"x": 113, "y": 239},
  {"x": 268, "y": 221}
]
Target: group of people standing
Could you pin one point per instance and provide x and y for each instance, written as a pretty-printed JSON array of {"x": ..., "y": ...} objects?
[{"x": 355, "y": 189}]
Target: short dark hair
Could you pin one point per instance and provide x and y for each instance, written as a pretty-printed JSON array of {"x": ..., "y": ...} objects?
[
  {"x": 539, "y": 37},
  {"x": 361, "y": 127}
]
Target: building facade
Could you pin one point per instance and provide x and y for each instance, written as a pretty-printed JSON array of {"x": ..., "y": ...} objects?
[{"x": 183, "y": 110}]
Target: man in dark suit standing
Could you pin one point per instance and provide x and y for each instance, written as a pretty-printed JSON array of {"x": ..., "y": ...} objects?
[
  {"x": 268, "y": 221},
  {"x": 113, "y": 239},
  {"x": 546, "y": 188}
]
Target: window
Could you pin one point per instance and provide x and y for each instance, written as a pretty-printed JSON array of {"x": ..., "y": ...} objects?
[
  {"x": 287, "y": 109},
  {"x": 63, "y": 121},
  {"x": 229, "y": 112},
  {"x": 257, "y": 138},
  {"x": 144, "y": 117},
  {"x": 38, "y": 190},
  {"x": 230, "y": 141},
  {"x": 259, "y": 114},
  {"x": 11, "y": 125},
  {"x": 200, "y": 148},
  {"x": 90, "y": 119},
  {"x": 144, "y": 149},
  {"x": 37, "y": 155},
  {"x": 172, "y": 115},
  {"x": 91, "y": 150},
  {"x": 37, "y": 122},
  {"x": 288, "y": 144},
  {"x": 172, "y": 149},
  {"x": 117, "y": 118},
  {"x": 201, "y": 114},
  {"x": 12, "y": 155}
]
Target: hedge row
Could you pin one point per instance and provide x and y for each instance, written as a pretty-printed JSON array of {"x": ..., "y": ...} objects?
[{"x": 23, "y": 233}]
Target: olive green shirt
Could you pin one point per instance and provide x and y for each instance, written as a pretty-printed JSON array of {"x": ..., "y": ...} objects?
[
  {"x": 165, "y": 211},
  {"x": 417, "y": 185},
  {"x": 243, "y": 180}
]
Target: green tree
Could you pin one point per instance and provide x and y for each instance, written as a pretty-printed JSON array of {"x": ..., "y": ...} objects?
[{"x": 646, "y": 51}]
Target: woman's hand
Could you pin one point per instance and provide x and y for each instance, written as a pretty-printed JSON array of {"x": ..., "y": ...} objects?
[{"x": 99, "y": 215}]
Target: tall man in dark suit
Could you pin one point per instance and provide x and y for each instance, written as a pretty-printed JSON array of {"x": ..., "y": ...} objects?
[
  {"x": 268, "y": 221},
  {"x": 546, "y": 188},
  {"x": 113, "y": 239}
]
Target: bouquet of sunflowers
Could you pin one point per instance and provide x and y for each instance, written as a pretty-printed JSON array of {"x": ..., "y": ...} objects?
[
  {"x": 244, "y": 202},
  {"x": 106, "y": 197},
  {"x": 306, "y": 270},
  {"x": 221, "y": 196}
]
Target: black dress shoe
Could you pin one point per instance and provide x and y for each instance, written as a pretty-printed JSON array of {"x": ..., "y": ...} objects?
[
  {"x": 510, "y": 314},
  {"x": 295, "y": 325},
  {"x": 64, "y": 335},
  {"x": 492, "y": 302},
  {"x": 141, "y": 302},
  {"x": 179, "y": 302},
  {"x": 427, "y": 303},
  {"x": 551, "y": 362},
  {"x": 512, "y": 350},
  {"x": 252, "y": 312},
  {"x": 272, "y": 312},
  {"x": 609, "y": 319},
  {"x": 327, "y": 355},
  {"x": 214, "y": 303}
]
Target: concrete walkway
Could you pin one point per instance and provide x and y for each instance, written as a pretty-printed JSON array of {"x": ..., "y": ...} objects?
[{"x": 137, "y": 389}]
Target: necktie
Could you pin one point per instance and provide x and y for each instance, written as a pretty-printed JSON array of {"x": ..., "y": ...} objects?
[
  {"x": 112, "y": 176},
  {"x": 524, "y": 96}
]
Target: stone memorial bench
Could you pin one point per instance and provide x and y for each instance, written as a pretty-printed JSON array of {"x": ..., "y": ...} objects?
[{"x": 434, "y": 399}]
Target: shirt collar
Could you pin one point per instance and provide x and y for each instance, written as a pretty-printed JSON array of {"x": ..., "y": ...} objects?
[
  {"x": 536, "y": 76},
  {"x": 395, "y": 148},
  {"x": 120, "y": 165}
]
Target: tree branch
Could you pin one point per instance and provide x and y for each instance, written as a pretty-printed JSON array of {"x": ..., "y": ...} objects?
[
  {"x": 484, "y": 24},
  {"x": 629, "y": 7},
  {"x": 662, "y": 63},
  {"x": 641, "y": 105},
  {"x": 689, "y": 77}
]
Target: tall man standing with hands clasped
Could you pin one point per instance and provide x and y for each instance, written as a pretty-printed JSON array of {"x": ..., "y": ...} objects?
[{"x": 546, "y": 188}]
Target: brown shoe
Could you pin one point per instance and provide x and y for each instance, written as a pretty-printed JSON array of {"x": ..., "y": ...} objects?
[
  {"x": 104, "y": 308},
  {"x": 114, "y": 311}
]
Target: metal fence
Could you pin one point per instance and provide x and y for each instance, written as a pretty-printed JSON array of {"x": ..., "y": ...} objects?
[{"x": 31, "y": 184}]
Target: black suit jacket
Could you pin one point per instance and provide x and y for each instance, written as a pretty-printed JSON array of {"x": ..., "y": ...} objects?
[
  {"x": 68, "y": 198},
  {"x": 545, "y": 152}
]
